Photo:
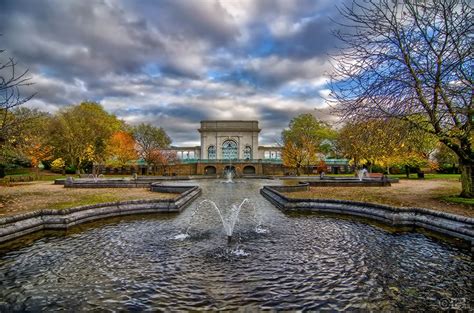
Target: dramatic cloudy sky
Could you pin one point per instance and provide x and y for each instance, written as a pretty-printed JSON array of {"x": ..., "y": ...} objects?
[{"x": 174, "y": 63}]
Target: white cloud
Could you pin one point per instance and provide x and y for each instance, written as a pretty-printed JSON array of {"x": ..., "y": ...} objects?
[{"x": 153, "y": 61}]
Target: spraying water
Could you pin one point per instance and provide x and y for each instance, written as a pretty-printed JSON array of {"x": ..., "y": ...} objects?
[
  {"x": 229, "y": 177},
  {"x": 228, "y": 217},
  {"x": 362, "y": 173}
]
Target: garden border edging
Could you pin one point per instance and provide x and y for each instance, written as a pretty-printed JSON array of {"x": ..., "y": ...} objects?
[
  {"x": 16, "y": 226},
  {"x": 445, "y": 223}
]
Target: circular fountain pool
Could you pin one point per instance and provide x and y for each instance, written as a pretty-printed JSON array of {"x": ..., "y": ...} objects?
[{"x": 297, "y": 261}]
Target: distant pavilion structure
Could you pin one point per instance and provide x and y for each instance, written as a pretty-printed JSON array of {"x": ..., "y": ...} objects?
[{"x": 229, "y": 145}]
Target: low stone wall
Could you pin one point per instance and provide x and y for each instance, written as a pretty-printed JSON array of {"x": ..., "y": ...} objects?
[
  {"x": 158, "y": 187},
  {"x": 140, "y": 182},
  {"x": 252, "y": 176},
  {"x": 445, "y": 223},
  {"x": 161, "y": 178},
  {"x": 339, "y": 179},
  {"x": 292, "y": 188},
  {"x": 105, "y": 183},
  {"x": 13, "y": 227},
  {"x": 349, "y": 183},
  {"x": 108, "y": 185}
]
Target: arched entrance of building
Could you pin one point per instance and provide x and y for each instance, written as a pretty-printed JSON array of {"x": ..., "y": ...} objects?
[
  {"x": 249, "y": 170},
  {"x": 210, "y": 170}
]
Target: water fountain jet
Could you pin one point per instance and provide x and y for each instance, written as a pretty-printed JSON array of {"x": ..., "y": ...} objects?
[
  {"x": 362, "y": 173},
  {"x": 229, "y": 177},
  {"x": 228, "y": 218}
]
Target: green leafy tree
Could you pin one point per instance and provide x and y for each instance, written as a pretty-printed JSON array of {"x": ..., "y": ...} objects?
[
  {"x": 416, "y": 148},
  {"x": 28, "y": 138},
  {"x": 303, "y": 140},
  {"x": 149, "y": 140},
  {"x": 446, "y": 158},
  {"x": 79, "y": 133},
  {"x": 385, "y": 142},
  {"x": 410, "y": 58}
]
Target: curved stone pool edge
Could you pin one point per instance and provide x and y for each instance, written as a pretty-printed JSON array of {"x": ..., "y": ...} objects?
[
  {"x": 452, "y": 225},
  {"x": 16, "y": 226}
]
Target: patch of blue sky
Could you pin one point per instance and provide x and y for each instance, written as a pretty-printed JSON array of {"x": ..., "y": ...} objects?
[
  {"x": 131, "y": 109},
  {"x": 216, "y": 75},
  {"x": 236, "y": 76},
  {"x": 189, "y": 92},
  {"x": 246, "y": 78},
  {"x": 152, "y": 69},
  {"x": 265, "y": 47},
  {"x": 300, "y": 91},
  {"x": 344, "y": 84},
  {"x": 263, "y": 44},
  {"x": 47, "y": 71}
]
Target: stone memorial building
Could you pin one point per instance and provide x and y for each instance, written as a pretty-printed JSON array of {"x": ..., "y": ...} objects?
[{"x": 228, "y": 145}]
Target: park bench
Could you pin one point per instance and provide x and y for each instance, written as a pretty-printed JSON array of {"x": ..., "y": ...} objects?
[{"x": 374, "y": 175}]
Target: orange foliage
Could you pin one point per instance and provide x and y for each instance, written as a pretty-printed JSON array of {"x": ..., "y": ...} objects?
[
  {"x": 322, "y": 167},
  {"x": 162, "y": 158},
  {"x": 38, "y": 152},
  {"x": 121, "y": 148}
]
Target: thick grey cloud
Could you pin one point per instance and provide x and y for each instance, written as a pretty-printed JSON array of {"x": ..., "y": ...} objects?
[{"x": 175, "y": 62}]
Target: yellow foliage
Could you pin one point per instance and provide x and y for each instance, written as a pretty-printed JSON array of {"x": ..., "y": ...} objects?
[
  {"x": 90, "y": 153},
  {"x": 57, "y": 164}
]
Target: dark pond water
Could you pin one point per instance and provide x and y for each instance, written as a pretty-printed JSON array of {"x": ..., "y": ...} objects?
[{"x": 293, "y": 262}]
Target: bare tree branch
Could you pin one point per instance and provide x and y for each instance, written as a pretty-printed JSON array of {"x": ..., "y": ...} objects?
[
  {"x": 10, "y": 97},
  {"x": 409, "y": 59}
]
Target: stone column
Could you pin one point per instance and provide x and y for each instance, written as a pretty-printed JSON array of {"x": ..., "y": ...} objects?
[
  {"x": 239, "y": 148},
  {"x": 255, "y": 145}
]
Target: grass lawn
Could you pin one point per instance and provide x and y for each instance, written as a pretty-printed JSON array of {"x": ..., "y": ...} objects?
[
  {"x": 436, "y": 194},
  {"x": 455, "y": 177},
  {"x": 31, "y": 196},
  {"x": 49, "y": 176}
]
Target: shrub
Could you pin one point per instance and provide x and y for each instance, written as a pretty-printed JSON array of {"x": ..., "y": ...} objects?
[
  {"x": 70, "y": 170},
  {"x": 58, "y": 165}
]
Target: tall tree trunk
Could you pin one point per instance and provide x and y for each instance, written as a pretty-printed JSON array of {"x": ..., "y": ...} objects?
[
  {"x": 2, "y": 171},
  {"x": 467, "y": 178}
]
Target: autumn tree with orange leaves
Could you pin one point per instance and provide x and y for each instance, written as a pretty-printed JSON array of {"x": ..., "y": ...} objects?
[
  {"x": 120, "y": 149},
  {"x": 31, "y": 140},
  {"x": 161, "y": 158}
]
